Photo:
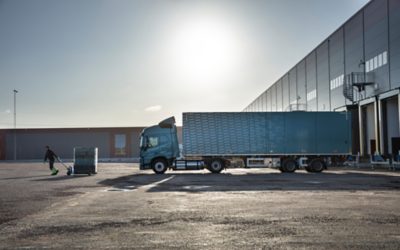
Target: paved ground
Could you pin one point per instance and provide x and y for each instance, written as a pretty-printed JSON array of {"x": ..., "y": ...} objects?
[{"x": 122, "y": 207}]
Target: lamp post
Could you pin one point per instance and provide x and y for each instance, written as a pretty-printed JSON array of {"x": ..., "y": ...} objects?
[{"x": 15, "y": 124}]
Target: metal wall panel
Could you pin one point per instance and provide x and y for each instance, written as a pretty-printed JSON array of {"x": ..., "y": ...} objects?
[
  {"x": 285, "y": 92},
  {"x": 31, "y": 145},
  {"x": 323, "y": 89},
  {"x": 135, "y": 140},
  {"x": 262, "y": 103},
  {"x": 301, "y": 83},
  {"x": 2, "y": 145},
  {"x": 354, "y": 45},
  {"x": 376, "y": 43},
  {"x": 273, "y": 97},
  {"x": 394, "y": 42},
  {"x": 336, "y": 67},
  {"x": 269, "y": 108},
  {"x": 311, "y": 78},
  {"x": 293, "y": 86},
  {"x": 265, "y": 93},
  {"x": 252, "y": 106},
  {"x": 258, "y": 104},
  {"x": 279, "y": 98},
  {"x": 368, "y": 42}
]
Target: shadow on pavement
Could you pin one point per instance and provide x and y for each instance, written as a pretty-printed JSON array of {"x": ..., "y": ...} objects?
[
  {"x": 23, "y": 177},
  {"x": 61, "y": 177},
  {"x": 299, "y": 181}
]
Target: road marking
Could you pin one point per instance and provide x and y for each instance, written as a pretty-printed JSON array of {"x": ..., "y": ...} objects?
[
  {"x": 195, "y": 187},
  {"x": 119, "y": 190},
  {"x": 313, "y": 182},
  {"x": 131, "y": 188},
  {"x": 154, "y": 184}
]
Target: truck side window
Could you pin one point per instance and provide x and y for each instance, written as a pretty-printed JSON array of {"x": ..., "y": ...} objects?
[{"x": 153, "y": 142}]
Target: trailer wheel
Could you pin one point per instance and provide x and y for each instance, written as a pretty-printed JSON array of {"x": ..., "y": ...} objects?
[
  {"x": 288, "y": 166},
  {"x": 159, "y": 166},
  {"x": 215, "y": 166},
  {"x": 317, "y": 165}
]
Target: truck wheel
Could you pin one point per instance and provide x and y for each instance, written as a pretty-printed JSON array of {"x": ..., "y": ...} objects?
[
  {"x": 317, "y": 165},
  {"x": 159, "y": 166},
  {"x": 289, "y": 166},
  {"x": 216, "y": 166}
]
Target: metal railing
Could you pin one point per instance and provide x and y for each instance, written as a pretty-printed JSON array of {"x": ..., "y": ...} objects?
[{"x": 356, "y": 79}]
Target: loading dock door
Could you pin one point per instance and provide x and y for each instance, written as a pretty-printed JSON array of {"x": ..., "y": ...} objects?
[
  {"x": 368, "y": 123},
  {"x": 372, "y": 146},
  {"x": 390, "y": 124},
  {"x": 395, "y": 145}
]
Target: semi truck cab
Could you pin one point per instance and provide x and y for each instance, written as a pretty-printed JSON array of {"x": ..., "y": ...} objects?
[{"x": 159, "y": 146}]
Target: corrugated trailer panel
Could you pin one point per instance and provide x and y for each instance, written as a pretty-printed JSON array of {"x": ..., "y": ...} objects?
[
  {"x": 266, "y": 133},
  {"x": 276, "y": 132},
  {"x": 300, "y": 133},
  {"x": 258, "y": 132},
  {"x": 333, "y": 136}
]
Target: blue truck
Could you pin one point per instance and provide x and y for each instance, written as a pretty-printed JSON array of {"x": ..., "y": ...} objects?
[{"x": 219, "y": 140}]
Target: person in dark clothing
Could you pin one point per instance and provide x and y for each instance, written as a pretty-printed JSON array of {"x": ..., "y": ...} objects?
[{"x": 51, "y": 156}]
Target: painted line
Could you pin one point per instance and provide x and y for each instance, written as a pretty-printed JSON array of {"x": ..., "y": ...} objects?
[
  {"x": 154, "y": 184},
  {"x": 195, "y": 187},
  {"x": 313, "y": 182},
  {"x": 132, "y": 188}
]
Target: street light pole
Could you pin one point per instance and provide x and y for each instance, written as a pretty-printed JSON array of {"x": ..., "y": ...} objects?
[{"x": 15, "y": 124}]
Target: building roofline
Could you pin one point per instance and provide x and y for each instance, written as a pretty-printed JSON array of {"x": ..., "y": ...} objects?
[{"x": 316, "y": 47}]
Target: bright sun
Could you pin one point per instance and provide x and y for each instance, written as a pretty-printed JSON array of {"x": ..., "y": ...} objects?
[{"x": 203, "y": 51}]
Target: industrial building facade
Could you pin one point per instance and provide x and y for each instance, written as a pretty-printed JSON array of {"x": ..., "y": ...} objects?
[
  {"x": 356, "y": 69},
  {"x": 113, "y": 143}
]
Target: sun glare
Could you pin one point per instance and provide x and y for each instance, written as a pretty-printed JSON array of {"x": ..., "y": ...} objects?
[{"x": 203, "y": 51}]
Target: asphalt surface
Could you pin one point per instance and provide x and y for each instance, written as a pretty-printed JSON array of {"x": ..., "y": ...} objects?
[{"x": 122, "y": 207}]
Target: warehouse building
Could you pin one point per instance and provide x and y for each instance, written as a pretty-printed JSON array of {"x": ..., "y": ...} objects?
[
  {"x": 121, "y": 143},
  {"x": 356, "y": 69}
]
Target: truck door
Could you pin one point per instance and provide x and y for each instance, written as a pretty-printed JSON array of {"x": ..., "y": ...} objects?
[{"x": 158, "y": 146}]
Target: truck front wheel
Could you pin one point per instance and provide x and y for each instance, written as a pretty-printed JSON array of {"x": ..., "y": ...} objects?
[
  {"x": 216, "y": 166},
  {"x": 159, "y": 166}
]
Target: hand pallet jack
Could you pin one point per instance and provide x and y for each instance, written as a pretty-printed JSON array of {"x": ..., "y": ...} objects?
[{"x": 70, "y": 169}]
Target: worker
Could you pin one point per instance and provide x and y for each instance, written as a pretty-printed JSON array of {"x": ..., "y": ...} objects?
[{"x": 51, "y": 156}]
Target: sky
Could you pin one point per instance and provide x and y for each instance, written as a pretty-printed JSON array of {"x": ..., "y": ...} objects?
[{"x": 123, "y": 63}]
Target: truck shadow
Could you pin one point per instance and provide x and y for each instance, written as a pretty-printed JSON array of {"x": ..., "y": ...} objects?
[
  {"x": 61, "y": 177},
  {"x": 228, "y": 182}
]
